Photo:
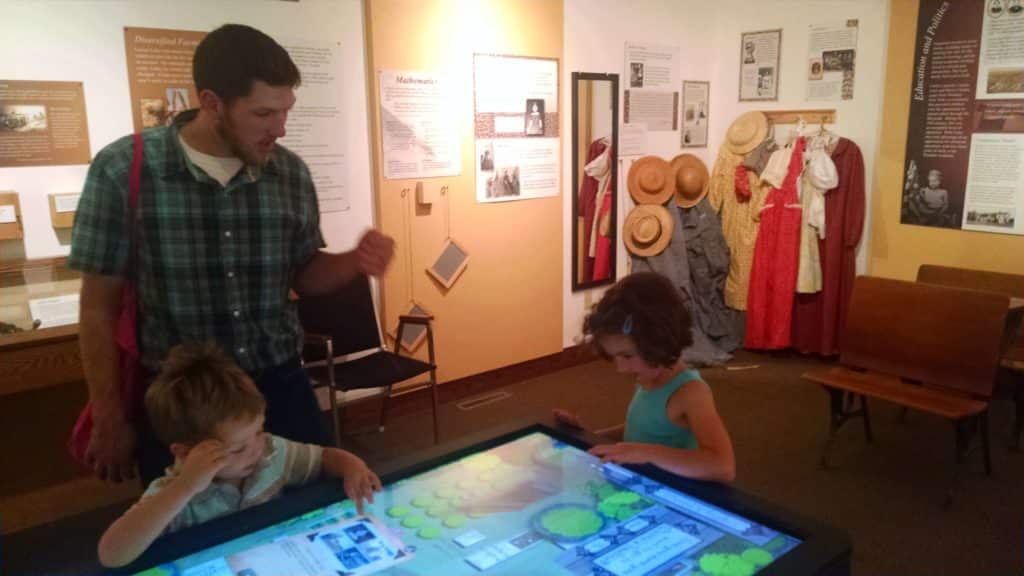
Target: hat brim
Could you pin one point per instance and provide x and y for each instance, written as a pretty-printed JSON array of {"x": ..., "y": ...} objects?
[
  {"x": 689, "y": 161},
  {"x": 639, "y": 195},
  {"x": 658, "y": 246},
  {"x": 759, "y": 135}
]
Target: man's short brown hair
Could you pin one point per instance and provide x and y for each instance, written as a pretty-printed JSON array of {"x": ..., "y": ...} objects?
[
  {"x": 199, "y": 388},
  {"x": 232, "y": 57},
  {"x": 649, "y": 310}
]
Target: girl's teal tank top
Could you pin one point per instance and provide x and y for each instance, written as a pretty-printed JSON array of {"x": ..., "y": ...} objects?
[{"x": 646, "y": 420}]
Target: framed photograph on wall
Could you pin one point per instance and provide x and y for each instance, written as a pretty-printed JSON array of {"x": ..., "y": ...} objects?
[
  {"x": 696, "y": 113},
  {"x": 759, "y": 65}
]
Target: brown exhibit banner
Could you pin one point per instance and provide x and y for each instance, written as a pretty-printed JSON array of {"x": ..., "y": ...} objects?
[
  {"x": 160, "y": 74},
  {"x": 964, "y": 140},
  {"x": 42, "y": 124}
]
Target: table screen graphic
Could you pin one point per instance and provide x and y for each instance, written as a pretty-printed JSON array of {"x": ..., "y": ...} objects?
[{"x": 533, "y": 505}]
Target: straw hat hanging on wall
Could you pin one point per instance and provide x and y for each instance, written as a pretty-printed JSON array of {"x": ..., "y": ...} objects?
[
  {"x": 647, "y": 230},
  {"x": 650, "y": 180},
  {"x": 691, "y": 180},
  {"x": 746, "y": 132}
]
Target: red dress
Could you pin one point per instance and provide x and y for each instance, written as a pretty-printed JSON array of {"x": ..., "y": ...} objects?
[
  {"x": 596, "y": 267},
  {"x": 818, "y": 318},
  {"x": 776, "y": 262}
]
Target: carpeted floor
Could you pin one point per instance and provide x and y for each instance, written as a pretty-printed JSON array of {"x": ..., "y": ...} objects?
[{"x": 888, "y": 496}]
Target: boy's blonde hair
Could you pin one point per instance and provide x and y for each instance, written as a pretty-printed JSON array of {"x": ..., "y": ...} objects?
[{"x": 199, "y": 388}]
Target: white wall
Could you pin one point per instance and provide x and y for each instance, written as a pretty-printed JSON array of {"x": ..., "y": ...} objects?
[
  {"x": 859, "y": 119},
  {"x": 84, "y": 41},
  {"x": 708, "y": 34},
  {"x": 596, "y": 32}
]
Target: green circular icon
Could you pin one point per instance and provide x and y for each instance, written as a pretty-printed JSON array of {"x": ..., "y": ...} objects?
[
  {"x": 757, "y": 556},
  {"x": 413, "y": 521},
  {"x": 423, "y": 501},
  {"x": 456, "y": 521},
  {"x": 398, "y": 511},
  {"x": 429, "y": 532}
]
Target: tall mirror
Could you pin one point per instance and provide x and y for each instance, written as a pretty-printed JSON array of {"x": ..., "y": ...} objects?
[{"x": 595, "y": 121}]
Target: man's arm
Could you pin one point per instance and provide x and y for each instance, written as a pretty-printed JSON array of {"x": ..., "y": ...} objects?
[
  {"x": 111, "y": 451},
  {"x": 325, "y": 273}
]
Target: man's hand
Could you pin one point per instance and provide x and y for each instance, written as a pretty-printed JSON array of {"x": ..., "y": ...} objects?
[
  {"x": 623, "y": 452},
  {"x": 202, "y": 464},
  {"x": 373, "y": 253},
  {"x": 111, "y": 450}
]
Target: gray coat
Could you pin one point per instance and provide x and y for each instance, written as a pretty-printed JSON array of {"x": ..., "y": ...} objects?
[{"x": 697, "y": 261}]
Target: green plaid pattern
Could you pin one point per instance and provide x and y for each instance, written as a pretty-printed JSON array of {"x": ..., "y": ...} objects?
[{"x": 214, "y": 262}]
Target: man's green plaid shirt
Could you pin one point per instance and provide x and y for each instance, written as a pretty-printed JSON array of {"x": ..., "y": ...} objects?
[{"x": 215, "y": 262}]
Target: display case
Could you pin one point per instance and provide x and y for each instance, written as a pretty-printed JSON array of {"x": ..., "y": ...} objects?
[
  {"x": 37, "y": 294},
  {"x": 42, "y": 390}
]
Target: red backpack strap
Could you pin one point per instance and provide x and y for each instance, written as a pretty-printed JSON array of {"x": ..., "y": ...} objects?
[{"x": 134, "y": 184}]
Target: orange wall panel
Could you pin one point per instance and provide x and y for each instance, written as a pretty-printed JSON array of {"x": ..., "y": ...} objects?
[{"x": 507, "y": 305}]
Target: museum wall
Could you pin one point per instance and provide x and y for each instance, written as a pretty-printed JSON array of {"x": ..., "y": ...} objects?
[
  {"x": 506, "y": 307},
  {"x": 898, "y": 249},
  {"x": 708, "y": 35},
  {"x": 596, "y": 32},
  {"x": 84, "y": 41}
]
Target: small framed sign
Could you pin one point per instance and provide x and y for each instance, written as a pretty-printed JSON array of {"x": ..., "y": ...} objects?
[
  {"x": 449, "y": 264},
  {"x": 413, "y": 334},
  {"x": 62, "y": 209}
]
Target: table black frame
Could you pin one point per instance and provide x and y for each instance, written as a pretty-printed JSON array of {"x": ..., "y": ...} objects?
[{"x": 824, "y": 550}]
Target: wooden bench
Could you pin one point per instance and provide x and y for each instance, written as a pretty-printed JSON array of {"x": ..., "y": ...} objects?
[
  {"x": 930, "y": 348},
  {"x": 1012, "y": 350}
]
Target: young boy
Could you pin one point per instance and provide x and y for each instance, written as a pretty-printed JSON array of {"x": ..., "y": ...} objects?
[{"x": 210, "y": 414}]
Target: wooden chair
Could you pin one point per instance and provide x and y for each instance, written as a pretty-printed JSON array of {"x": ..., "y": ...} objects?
[
  {"x": 344, "y": 324},
  {"x": 1012, "y": 350},
  {"x": 930, "y": 348}
]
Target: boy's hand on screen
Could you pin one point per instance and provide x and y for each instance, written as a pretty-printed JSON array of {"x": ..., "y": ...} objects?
[
  {"x": 360, "y": 482},
  {"x": 203, "y": 463},
  {"x": 622, "y": 453},
  {"x": 566, "y": 417}
]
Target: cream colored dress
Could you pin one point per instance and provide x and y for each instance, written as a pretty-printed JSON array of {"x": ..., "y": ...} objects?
[{"x": 818, "y": 177}]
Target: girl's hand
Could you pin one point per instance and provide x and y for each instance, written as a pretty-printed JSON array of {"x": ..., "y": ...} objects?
[
  {"x": 568, "y": 418},
  {"x": 360, "y": 482},
  {"x": 202, "y": 464},
  {"x": 623, "y": 452}
]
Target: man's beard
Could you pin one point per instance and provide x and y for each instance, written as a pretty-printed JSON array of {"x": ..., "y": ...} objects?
[{"x": 226, "y": 131}]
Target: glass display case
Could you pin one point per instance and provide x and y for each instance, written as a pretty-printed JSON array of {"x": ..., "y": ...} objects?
[{"x": 37, "y": 294}]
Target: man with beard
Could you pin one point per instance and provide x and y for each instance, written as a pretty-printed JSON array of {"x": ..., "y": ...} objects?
[{"x": 227, "y": 224}]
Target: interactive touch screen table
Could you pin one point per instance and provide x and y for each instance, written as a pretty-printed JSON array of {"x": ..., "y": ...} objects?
[{"x": 528, "y": 500}]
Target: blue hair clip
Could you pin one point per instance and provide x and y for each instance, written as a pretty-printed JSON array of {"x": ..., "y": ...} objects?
[{"x": 627, "y": 326}]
